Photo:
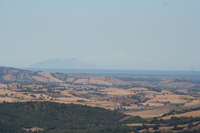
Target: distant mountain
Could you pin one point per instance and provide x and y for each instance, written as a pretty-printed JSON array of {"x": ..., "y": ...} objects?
[{"x": 67, "y": 63}]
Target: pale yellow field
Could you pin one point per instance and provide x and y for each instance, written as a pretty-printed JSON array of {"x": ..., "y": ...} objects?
[
  {"x": 153, "y": 104},
  {"x": 168, "y": 96},
  {"x": 138, "y": 89},
  {"x": 187, "y": 114},
  {"x": 33, "y": 129},
  {"x": 71, "y": 99},
  {"x": 148, "y": 113},
  {"x": 8, "y": 99},
  {"x": 50, "y": 78},
  {"x": 116, "y": 91},
  {"x": 138, "y": 124},
  {"x": 82, "y": 81},
  {"x": 166, "y": 128},
  {"x": 3, "y": 92},
  {"x": 39, "y": 78},
  {"x": 171, "y": 100},
  {"x": 166, "y": 92},
  {"x": 99, "y": 82},
  {"x": 194, "y": 102},
  {"x": 107, "y": 105},
  {"x": 66, "y": 93},
  {"x": 3, "y": 85},
  {"x": 24, "y": 97},
  {"x": 133, "y": 106}
]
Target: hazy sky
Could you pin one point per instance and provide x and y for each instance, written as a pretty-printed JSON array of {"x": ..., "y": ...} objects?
[{"x": 112, "y": 34}]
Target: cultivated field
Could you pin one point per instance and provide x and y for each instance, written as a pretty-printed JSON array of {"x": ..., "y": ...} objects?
[{"x": 145, "y": 96}]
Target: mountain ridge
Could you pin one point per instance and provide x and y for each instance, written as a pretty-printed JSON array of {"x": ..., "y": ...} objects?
[
  {"x": 66, "y": 63},
  {"x": 10, "y": 74}
]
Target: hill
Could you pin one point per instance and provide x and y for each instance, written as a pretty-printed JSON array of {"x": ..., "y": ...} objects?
[
  {"x": 56, "y": 117},
  {"x": 13, "y": 74},
  {"x": 9, "y": 74},
  {"x": 134, "y": 95},
  {"x": 67, "y": 63}
]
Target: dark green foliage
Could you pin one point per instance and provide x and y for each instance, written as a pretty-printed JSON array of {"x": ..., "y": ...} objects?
[
  {"x": 57, "y": 117},
  {"x": 190, "y": 125},
  {"x": 155, "y": 89},
  {"x": 175, "y": 120},
  {"x": 98, "y": 94},
  {"x": 33, "y": 95},
  {"x": 85, "y": 96},
  {"x": 157, "y": 132},
  {"x": 139, "y": 98},
  {"x": 177, "y": 128},
  {"x": 156, "y": 127},
  {"x": 135, "y": 119},
  {"x": 122, "y": 86}
]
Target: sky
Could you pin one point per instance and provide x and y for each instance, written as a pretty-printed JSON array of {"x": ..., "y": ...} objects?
[{"x": 112, "y": 34}]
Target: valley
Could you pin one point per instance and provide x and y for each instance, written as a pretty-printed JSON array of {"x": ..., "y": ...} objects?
[{"x": 146, "y": 96}]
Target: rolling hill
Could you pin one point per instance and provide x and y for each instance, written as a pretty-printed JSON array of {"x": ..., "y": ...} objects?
[{"x": 9, "y": 74}]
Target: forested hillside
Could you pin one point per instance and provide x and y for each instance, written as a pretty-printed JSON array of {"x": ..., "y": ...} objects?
[{"x": 56, "y": 117}]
